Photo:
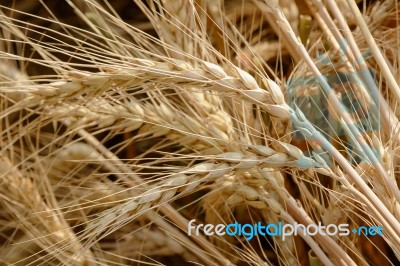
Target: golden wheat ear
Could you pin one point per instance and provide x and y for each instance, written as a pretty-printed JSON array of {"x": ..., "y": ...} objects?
[{"x": 199, "y": 132}]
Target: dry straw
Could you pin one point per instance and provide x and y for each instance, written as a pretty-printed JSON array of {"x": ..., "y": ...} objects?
[{"x": 116, "y": 131}]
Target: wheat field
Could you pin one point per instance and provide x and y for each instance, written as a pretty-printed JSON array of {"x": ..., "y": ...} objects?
[{"x": 130, "y": 128}]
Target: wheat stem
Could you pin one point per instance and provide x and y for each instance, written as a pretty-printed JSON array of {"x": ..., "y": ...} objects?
[
  {"x": 357, "y": 60},
  {"x": 310, "y": 241},
  {"x": 303, "y": 124},
  {"x": 375, "y": 50},
  {"x": 339, "y": 109}
]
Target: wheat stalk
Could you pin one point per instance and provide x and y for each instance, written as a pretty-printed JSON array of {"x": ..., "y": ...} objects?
[{"x": 141, "y": 127}]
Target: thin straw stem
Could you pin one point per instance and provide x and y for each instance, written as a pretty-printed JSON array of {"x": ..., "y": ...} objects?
[
  {"x": 391, "y": 81},
  {"x": 357, "y": 60}
]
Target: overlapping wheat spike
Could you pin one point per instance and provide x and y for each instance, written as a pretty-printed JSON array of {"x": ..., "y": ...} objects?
[{"x": 120, "y": 122}]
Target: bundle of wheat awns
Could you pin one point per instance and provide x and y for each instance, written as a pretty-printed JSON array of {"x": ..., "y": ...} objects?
[{"x": 199, "y": 132}]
